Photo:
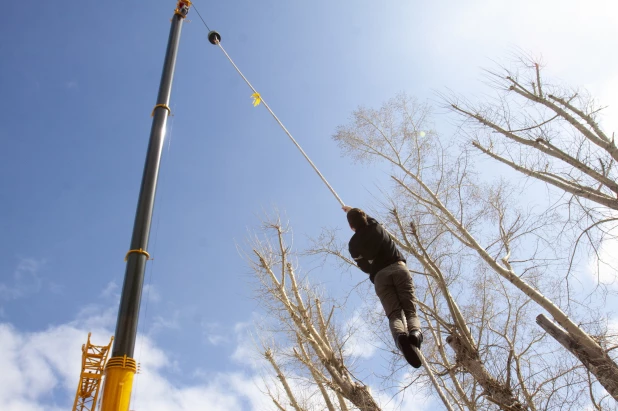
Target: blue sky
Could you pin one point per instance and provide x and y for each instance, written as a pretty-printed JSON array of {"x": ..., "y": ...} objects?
[{"x": 78, "y": 83}]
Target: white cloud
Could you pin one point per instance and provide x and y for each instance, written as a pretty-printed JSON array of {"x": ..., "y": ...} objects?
[
  {"x": 56, "y": 288},
  {"x": 216, "y": 339},
  {"x": 222, "y": 391},
  {"x": 160, "y": 323},
  {"x": 241, "y": 327},
  {"x": 410, "y": 399},
  {"x": 151, "y": 293},
  {"x": 95, "y": 316},
  {"x": 25, "y": 280},
  {"x": 604, "y": 266},
  {"x": 214, "y": 333},
  {"x": 361, "y": 342},
  {"x": 569, "y": 36},
  {"x": 36, "y": 364},
  {"x": 612, "y": 331},
  {"x": 110, "y": 290},
  {"x": 565, "y": 31},
  {"x": 247, "y": 348},
  {"x": 613, "y": 325},
  {"x": 605, "y": 93}
]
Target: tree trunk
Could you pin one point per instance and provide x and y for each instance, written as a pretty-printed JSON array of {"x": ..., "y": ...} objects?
[
  {"x": 360, "y": 396},
  {"x": 596, "y": 360},
  {"x": 495, "y": 391}
]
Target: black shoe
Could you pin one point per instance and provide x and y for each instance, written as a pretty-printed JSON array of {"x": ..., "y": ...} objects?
[
  {"x": 416, "y": 338},
  {"x": 404, "y": 344}
]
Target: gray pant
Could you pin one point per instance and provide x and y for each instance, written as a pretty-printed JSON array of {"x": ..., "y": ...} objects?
[{"x": 395, "y": 289}]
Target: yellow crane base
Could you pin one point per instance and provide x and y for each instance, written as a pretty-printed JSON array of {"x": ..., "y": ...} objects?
[{"x": 119, "y": 374}]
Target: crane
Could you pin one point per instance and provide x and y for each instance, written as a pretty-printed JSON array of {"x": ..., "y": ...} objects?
[{"x": 120, "y": 369}]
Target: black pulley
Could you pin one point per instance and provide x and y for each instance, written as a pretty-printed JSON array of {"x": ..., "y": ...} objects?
[{"x": 214, "y": 37}]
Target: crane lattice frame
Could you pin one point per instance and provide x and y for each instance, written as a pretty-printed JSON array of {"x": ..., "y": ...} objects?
[{"x": 94, "y": 358}]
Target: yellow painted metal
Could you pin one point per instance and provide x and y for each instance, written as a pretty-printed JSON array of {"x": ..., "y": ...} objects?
[
  {"x": 140, "y": 251},
  {"x": 119, "y": 374},
  {"x": 165, "y": 106},
  {"x": 93, "y": 362},
  {"x": 179, "y": 7}
]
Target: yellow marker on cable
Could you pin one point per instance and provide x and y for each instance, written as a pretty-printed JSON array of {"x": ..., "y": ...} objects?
[{"x": 257, "y": 99}]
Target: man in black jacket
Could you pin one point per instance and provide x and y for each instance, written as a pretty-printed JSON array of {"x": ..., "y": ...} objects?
[{"x": 376, "y": 254}]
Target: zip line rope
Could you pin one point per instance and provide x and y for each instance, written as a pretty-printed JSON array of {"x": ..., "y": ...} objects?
[
  {"x": 260, "y": 99},
  {"x": 215, "y": 39},
  {"x": 433, "y": 379},
  {"x": 201, "y": 18}
]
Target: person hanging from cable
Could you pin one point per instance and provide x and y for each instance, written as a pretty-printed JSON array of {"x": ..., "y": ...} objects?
[
  {"x": 376, "y": 254},
  {"x": 372, "y": 249}
]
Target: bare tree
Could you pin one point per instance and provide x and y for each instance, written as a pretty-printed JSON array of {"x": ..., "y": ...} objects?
[
  {"x": 553, "y": 134},
  {"x": 560, "y": 125},
  {"x": 307, "y": 322},
  {"x": 450, "y": 211}
]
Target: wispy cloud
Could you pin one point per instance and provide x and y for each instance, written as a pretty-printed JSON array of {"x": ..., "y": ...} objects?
[
  {"x": 361, "y": 342},
  {"x": 160, "y": 323},
  {"x": 247, "y": 350},
  {"x": 215, "y": 333},
  {"x": 26, "y": 280},
  {"x": 111, "y": 290},
  {"x": 35, "y": 364},
  {"x": 216, "y": 339},
  {"x": 56, "y": 288},
  {"x": 95, "y": 316},
  {"x": 603, "y": 266},
  {"x": 407, "y": 400},
  {"x": 151, "y": 293},
  {"x": 612, "y": 331}
]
